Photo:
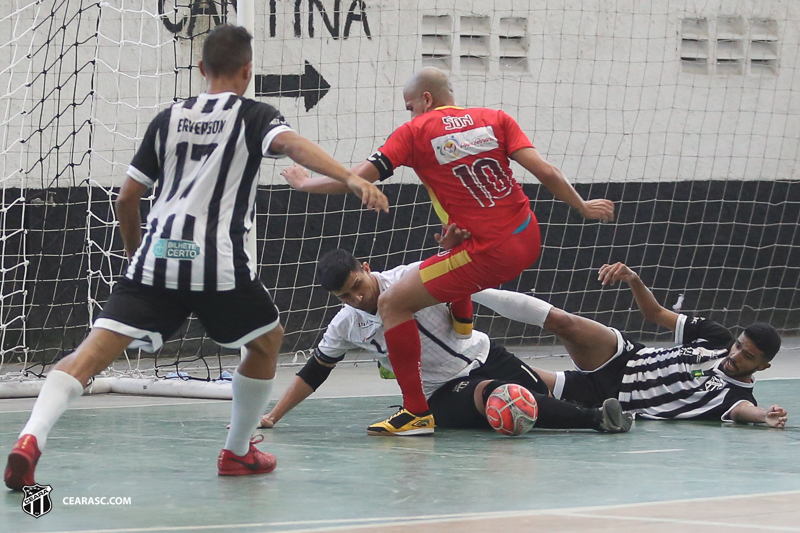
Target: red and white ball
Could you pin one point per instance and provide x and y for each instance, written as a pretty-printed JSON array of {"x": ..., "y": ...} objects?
[{"x": 511, "y": 409}]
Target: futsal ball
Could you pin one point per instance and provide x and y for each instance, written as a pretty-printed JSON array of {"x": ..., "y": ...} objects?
[{"x": 511, "y": 409}]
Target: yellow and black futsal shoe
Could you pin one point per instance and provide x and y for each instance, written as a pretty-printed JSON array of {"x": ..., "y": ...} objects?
[{"x": 403, "y": 424}]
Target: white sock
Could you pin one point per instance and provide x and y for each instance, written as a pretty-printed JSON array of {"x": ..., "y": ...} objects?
[
  {"x": 250, "y": 399},
  {"x": 514, "y": 305},
  {"x": 58, "y": 391}
]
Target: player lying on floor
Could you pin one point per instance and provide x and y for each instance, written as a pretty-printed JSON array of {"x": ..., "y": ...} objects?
[
  {"x": 708, "y": 376},
  {"x": 458, "y": 373}
]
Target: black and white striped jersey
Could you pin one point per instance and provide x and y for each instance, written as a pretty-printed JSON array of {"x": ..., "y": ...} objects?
[
  {"x": 686, "y": 381},
  {"x": 204, "y": 155},
  {"x": 445, "y": 355}
]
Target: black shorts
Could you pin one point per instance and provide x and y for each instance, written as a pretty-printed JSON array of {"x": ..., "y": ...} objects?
[
  {"x": 592, "y": 388},
  {"x": 152, "y": 315},
  {"x": 453, "y": 403}
]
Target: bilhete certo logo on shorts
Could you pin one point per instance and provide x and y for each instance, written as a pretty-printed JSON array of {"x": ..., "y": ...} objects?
[
  {"x": 175, "y": 249},
  {"x": 37, "y": 500}
]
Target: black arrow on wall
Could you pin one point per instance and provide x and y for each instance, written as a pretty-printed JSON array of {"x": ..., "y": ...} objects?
[{"x": 310, "y": 85}]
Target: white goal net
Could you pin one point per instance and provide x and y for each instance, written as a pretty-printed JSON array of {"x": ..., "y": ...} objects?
[{"x": 686, "y": 114}]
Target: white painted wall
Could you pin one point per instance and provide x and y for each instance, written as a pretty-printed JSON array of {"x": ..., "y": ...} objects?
[{"x": 604, "y": 95}]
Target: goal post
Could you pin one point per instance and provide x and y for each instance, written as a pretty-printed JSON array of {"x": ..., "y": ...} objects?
[{"x": 686, "y": 116}]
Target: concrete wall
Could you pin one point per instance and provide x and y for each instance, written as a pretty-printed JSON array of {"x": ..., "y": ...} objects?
[
  {"x": 600, "y": 85},
  {"x": 686, "y": 114}
]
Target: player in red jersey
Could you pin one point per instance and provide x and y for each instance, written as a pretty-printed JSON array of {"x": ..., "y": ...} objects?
[{"x": 462, "y": 156}]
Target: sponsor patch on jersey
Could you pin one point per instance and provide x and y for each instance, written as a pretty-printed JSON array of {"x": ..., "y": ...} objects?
[
  {"x": 278, "y": 121},
  {"x": 461, "y": 385},
  {"x": 175, "y": 249},
  {"x": 454, "y": 146}
]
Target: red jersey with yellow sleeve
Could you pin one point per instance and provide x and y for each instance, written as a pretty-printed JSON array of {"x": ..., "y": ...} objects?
[{"x": 462, "y": 157}]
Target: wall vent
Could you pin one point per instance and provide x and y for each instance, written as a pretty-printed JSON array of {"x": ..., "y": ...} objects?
[
  {"x": 474, "y": 47},
  {"x": 437, "y": 41},
  {"x": 695, "y": 46}
]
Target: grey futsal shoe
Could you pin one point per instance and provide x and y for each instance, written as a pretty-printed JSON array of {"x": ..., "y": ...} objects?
[{"x": 615, "y": 420}]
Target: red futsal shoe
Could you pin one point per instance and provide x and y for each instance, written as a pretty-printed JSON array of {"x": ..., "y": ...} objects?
[
  {"x": 253, "y": 462},
  {"x": 22, "y": 463}
]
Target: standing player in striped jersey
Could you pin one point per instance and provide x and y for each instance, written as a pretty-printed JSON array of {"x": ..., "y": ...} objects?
[
  {"x": 204, "y": 154},
  {"x": 463, "y": 158},
  {"x": 458, "y": 373},
  {"x": 708, "y": 376}
]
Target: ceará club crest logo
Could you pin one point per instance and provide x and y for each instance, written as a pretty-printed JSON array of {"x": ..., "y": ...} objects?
[{"x": 36, "y": 501}]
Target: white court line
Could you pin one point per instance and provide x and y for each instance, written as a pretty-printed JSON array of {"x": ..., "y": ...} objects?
[
  {"x": 677, "y": 522},
  {"x": 336, "y": 397},
  {"x": 680, "y": 521},
  {"x": 193, "y": 402},
  {"x": 657, "y": 451},
  {"x": 361, "y": 523}
]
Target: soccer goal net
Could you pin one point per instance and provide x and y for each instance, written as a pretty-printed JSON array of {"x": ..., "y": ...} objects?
[{"x": 687, "y": 115}]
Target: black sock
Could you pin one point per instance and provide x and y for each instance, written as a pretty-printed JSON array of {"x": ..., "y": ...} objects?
[
  {"x": 558, "y": 414},
  {"x": 490, "y": 387}
]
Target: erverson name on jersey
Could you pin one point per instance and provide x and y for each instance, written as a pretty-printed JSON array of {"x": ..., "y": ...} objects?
[{"x": 200, "y": 128}]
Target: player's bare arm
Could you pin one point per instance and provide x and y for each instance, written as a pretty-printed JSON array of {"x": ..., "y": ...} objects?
[
  {"x": 130, "y": 219},
  {"x": 302, "y": 386},
  {"x": 554, "y": 181},
  {"x": 300, "y": 179},
  {"x": 311, "y": 156},
  {"x": 648, "y": 305},
  {"x": 747, "y": 413},
  {"x": 298, "y": 391},
  {"x": 451, "y": 235}
]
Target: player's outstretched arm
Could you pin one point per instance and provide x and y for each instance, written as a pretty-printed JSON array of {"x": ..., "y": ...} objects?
[
  {"x": 311, "y": 156},
  {"x": 299, "y": 178},
  {"x": 298, "y": 391},
  {"x": 747, "y": 413},
  {"x": 554, "y": 180},
  {"x": 130, "y": 219},
  {"x": 310, "y": 377},
  {"x": 649, "y": 306}
]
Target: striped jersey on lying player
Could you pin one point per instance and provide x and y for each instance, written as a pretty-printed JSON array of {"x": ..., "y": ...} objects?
[{"x": 685, "y": 381}]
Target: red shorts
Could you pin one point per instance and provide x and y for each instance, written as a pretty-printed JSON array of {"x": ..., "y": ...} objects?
[{"x": 456, "y": 273}]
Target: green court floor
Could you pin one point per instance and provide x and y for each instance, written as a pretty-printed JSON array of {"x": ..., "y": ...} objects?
[{"x": 330, "y": 473}]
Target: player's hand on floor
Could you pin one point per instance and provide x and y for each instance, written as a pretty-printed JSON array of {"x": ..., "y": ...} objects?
[
  {"x": 453, "y": 236},
  {"x": 265, "y": 422},
  {"x": 371, "y": 196},
  {"x": 600, "y": 209},
  {"x": 610, "y": 274},
  {"x": 777, "y": 416}
]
